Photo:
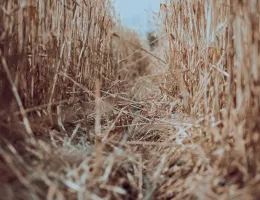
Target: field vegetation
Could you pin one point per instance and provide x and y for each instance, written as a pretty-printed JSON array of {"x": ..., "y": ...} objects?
[{"x": 89, "y": 110}]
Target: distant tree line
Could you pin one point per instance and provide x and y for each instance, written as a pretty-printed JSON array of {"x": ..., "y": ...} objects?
[{"x": 152, "y": 39}]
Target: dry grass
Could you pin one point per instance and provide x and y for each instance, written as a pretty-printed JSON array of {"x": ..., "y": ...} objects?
[
  {"x": 87, "y": 112},
  {"x": 213, "y": 68}
]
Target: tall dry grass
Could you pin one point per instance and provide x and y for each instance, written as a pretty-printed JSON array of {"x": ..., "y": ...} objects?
[
  {"x": 243, "y": 85},
  {"x": 197, "y": 40},
  {"x": 133, "y": 61},
  {"x": 45, "y": 43},
  {"x": 214, "y": 68},
  {"x": 99, "y": 125},
  {"x": 53, "y": 55},
  {"x": 53, "y": 52}
]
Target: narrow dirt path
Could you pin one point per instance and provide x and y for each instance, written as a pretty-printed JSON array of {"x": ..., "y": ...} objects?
[{"x": 158, "y": 135}]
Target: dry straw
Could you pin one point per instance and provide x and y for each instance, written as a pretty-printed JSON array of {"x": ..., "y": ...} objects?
[
  {"x": 87, "y": 112},
  {"x": 217, "y": 43}
]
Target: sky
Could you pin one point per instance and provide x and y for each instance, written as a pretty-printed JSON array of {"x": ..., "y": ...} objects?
[{"x": 136, "y": 14}]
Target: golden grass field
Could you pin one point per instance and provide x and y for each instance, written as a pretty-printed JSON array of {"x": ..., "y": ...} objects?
[{"x": 88, "y": 111}]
